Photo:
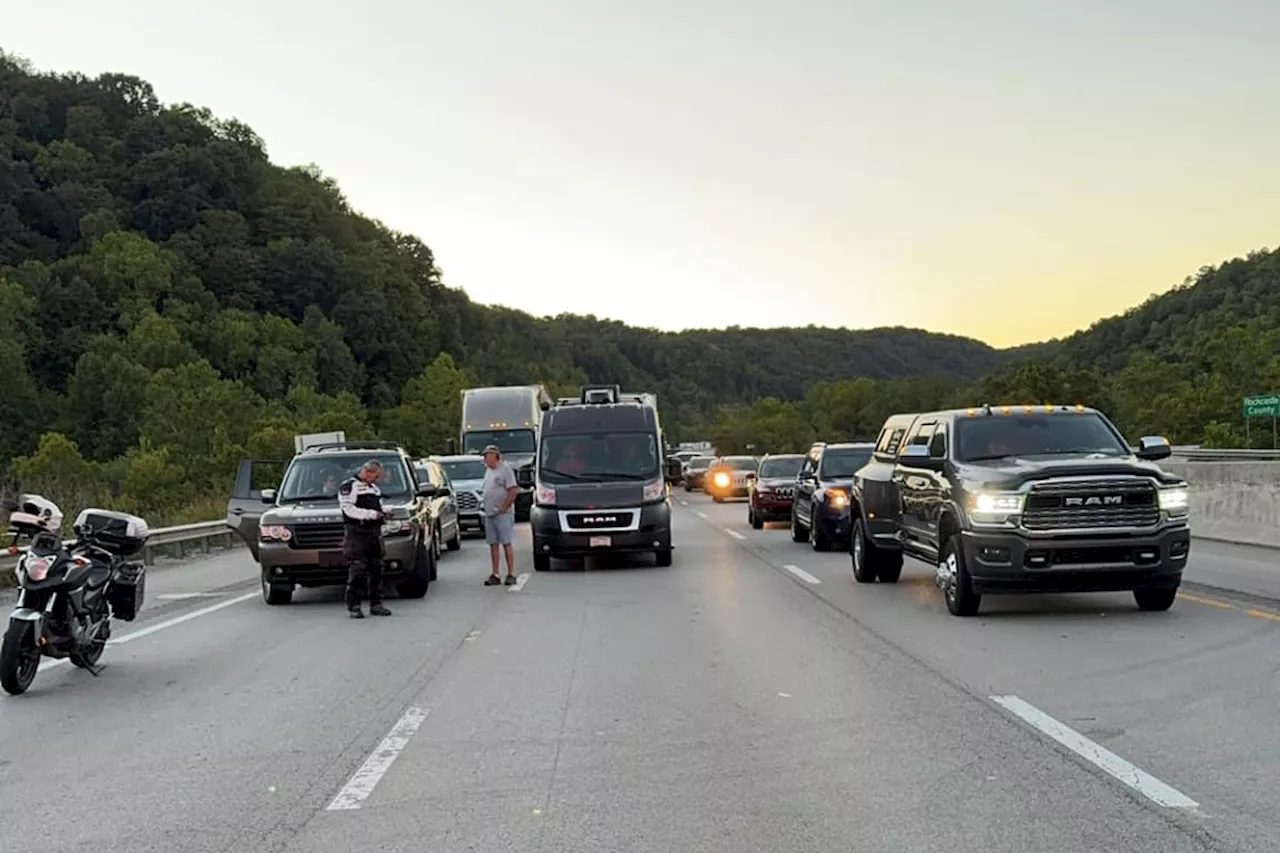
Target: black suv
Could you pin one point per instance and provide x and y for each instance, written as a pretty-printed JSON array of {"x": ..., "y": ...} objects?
[
  {"x": 1021, "y": 499},
  {"x": 820, "y": 510}
]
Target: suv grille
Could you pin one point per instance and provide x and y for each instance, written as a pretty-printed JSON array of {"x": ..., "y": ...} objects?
[
  {"x": 467, "y": 501},
  {"x": 1097, "y": 503},
  {"x": 311, "y": 537}
]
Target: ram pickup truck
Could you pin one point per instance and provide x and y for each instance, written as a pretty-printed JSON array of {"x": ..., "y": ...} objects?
[{"x": 1021, "y": 499}]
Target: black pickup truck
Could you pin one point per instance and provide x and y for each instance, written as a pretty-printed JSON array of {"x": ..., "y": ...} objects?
[{"x": 1021, "y": 499}]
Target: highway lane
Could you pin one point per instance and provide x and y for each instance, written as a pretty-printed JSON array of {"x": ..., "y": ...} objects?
[
  {"x": 1188, "y": 696},
  {"x": 724, "y": 703}
]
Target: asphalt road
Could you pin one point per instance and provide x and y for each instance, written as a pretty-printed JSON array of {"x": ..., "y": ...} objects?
[{"x": 749, "y": 698}]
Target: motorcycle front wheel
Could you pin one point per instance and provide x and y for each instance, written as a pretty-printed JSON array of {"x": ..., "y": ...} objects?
[
  {"x": 19, "y": 658},
  {"x": 89, "y": 656}
]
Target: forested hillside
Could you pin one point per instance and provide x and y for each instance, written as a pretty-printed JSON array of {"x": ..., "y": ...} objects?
[{"x": 170, "y": 301}]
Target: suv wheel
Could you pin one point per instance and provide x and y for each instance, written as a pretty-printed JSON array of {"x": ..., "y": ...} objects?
[
  {"x": 419, "y": 580},
  {"x": 663, "y": 557},
  {"x": 456, "y": 542},
  {"x": 542, "y": 562},
  {"x": 863, "y": 570},
  {"x": 818, "y": 538},
  {"x": 276, "y": 593},
  {"x": 798, "y": 533}
]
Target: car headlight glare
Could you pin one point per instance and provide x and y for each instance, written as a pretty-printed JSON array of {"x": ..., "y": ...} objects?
[
  {"x": 838, "y": 498},
  {"x": 722, "y": 479}
]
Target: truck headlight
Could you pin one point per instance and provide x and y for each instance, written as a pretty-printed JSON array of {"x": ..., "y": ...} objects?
[
  {"x": 1174, "y": 500},
  {"x": 654, "y": 491},
  {"x": 837, "y": 498},
  {"x": 995, "y": 507}
]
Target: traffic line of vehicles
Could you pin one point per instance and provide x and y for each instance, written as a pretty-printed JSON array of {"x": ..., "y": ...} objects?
[{"x": 998, "y": 500}]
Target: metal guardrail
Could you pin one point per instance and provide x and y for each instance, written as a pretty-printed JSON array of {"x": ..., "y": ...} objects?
[
  {"x": 1201, "y": 454},
  {"x": 170, "y": 541}
]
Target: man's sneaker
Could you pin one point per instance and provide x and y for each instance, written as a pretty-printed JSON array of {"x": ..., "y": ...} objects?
[
  {"x": 379, "y": 610},
  {"x": 510, "y": 581},
  {"x": 355, "y": 612}
]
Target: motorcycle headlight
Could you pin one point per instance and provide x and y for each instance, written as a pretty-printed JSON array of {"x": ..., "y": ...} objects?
[{"x": 995, "y": 507}]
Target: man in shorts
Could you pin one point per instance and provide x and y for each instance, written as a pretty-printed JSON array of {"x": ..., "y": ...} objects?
[{"x": 499, "y": 498}]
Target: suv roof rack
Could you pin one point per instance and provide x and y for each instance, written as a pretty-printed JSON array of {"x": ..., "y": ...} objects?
[{"x": 355, "y": 444}]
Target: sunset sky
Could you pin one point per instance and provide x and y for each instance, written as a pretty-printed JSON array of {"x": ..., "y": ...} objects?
[{"x": 1006, "y": 170}]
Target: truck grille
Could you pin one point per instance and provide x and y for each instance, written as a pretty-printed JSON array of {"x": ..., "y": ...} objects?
[
  {"x": 593, "y": 520},
  {"x": 468, "y": 502},
  {"x": 317, "y": 537},
  {"x": 1097, "y": 503}
]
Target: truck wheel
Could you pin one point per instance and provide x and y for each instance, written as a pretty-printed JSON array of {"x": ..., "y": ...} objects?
[
  {"x": 419, "y": 581},
  {"x": 276, "y": 594},
  {"x": 541, "y": 562},
  {"x": 19, "y": 658},
  {"x": 1154, "y": 600},
  {"x": 663, "y": 557},
  {"x": 957, "y": 587},
  {"x": 864, "y": 570},
  {"x": 456, "y": 542},
  {"x": 798, "y": 533}
]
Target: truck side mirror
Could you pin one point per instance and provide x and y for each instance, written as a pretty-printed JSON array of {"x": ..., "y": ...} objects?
[{"x": 1154, "y": 447}]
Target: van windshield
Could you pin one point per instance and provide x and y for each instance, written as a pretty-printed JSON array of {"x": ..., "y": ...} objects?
[{"x": 599, "y": 457}]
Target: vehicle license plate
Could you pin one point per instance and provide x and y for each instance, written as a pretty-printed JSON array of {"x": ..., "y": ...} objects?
[{"x": 601, "y": 541}]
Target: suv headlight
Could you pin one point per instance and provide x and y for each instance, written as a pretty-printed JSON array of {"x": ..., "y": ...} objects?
[
  {"x": 722, "y": 479},
  {"x": 1174, "y": 500},
  {"x": 995, "y": 507},
  {"x": 654, "y": 491},
  {"x": 274, "y": 533},
  {"x": 837, "y": 498}
]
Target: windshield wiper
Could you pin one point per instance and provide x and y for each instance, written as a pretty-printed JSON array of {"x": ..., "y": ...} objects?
[
  {"x": 569, "y": 474},
  {"x": 990, "y": 458},
  {"x": 297, "y": 499}
]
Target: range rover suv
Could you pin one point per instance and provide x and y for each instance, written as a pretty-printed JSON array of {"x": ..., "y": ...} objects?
[
  {"x": 1020, "y": 499},
  {"x": 293, "y": 525}
]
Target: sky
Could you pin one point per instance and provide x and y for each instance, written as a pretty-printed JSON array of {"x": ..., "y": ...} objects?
[{"x": 1009, "y": 170}]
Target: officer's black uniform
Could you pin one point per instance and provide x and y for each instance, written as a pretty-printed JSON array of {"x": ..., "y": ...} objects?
[{"x": 361, "y": 504}]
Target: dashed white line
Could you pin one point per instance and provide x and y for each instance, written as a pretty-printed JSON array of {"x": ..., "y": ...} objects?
[
  {"x": 735, "y": 534},
  {"x": 684, "y": 503},
  {"x": 179, "y": 596},
  {"x": 160, "y": 626},
  {"x": 701, "y": 514},
  {"x": 362, "y": 783},
  {"x": 521, "y": 580},
  {"x": 801, "y": 573},
  {"x": 1142, "y": 782}
]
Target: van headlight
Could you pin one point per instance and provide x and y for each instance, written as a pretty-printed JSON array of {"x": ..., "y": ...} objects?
[
  {"x": 655, "y": 491},
  {"x": 995, "y": 507},
  {"x": 1175, "y": 500}
]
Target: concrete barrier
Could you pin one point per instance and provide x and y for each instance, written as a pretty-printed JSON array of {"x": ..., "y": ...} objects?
[{"x": 1235, "y": 501}]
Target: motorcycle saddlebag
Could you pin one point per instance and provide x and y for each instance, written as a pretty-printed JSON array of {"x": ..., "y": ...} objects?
[{"x": 128, "y": 589}]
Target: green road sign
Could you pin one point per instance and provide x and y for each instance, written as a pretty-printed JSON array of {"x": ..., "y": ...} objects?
[{"x": 1266, "y": 405}]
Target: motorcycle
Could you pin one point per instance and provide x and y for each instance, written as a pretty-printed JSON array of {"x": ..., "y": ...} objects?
[{"x": 69, "y": 594}]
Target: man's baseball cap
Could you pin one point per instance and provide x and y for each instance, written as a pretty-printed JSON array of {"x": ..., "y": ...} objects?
[{"x": 493, "y": 448}]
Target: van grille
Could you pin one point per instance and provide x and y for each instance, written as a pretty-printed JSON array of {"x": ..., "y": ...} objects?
[
  {"x": 1096, "y": 503},
  {"x": 599, "y": 520}
]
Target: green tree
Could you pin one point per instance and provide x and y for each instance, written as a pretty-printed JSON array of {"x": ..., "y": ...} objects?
[
  {"x": 58, "y": 471},
  {"x": 431, "y": 412},
  {"x": 105, "y": 399}
]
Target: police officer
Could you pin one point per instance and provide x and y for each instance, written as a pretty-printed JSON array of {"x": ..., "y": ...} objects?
[{"x": 362, "y": 517}]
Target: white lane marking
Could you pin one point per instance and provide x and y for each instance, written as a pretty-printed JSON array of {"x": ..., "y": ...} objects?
[
  {"x": 735, "y": 534},
  {"x": 472, "y": 637},
  {"x": 1139, "y": 780},
  {"x": 179, "y": 596},
  {"x": 785, "y": 695},
  {"x": 364, "y": 780},
  {"x": 700, "y": 513},
  {"x": 521, "y": 580},
  {"x": 160, "y": 626},
  {"x": 801, "y": 573},
  {"x": 684, "y": 503}
]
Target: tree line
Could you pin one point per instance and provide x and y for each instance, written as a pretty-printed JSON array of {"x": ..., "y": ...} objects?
[{"x": 171, "y": 301}]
